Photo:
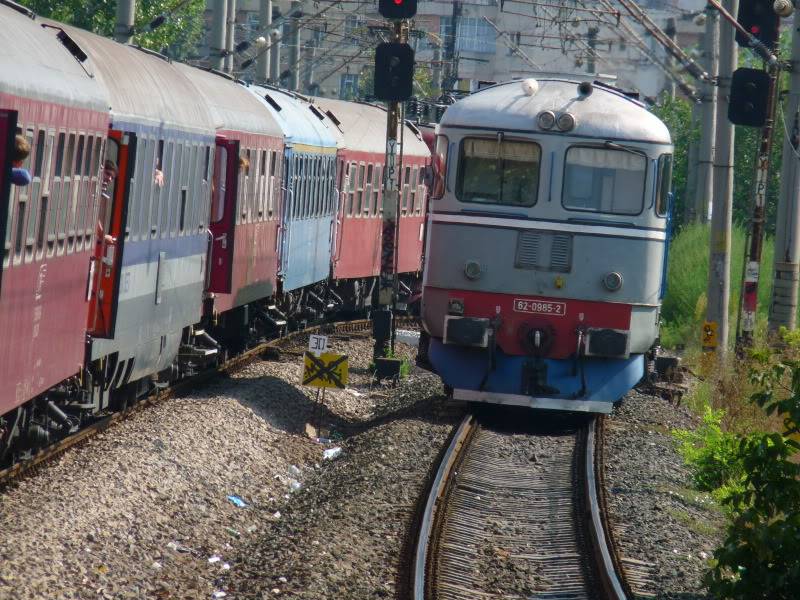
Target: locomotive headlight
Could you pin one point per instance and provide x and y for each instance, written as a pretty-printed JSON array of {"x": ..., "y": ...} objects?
[
  {"x": 472, "y": 270},
  {"x": 547, "y": 119},
  {"x": 613, "y": 281},
  {"x": 565, "y": 122}
]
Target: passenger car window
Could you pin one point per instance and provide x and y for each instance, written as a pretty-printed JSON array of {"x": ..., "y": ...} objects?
[
  {"x": 498, "y": 172},
  {"x": 664, "y": 184},
  {"x": 604, "y": 180}
]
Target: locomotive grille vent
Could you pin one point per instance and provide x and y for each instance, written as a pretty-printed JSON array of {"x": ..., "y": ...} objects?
[{"x": 544, "y": 251}]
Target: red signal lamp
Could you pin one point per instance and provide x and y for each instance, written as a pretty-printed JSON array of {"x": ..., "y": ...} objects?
[{"x": 397, "y": 10}]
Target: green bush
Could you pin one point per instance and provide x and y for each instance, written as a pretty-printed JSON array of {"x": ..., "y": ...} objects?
[
  {"x": 712, "y": 455},
  {"x": 760, "y": 557}
]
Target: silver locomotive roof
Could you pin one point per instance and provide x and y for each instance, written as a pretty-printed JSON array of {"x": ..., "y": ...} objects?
[{"x": 605, "y": 113}]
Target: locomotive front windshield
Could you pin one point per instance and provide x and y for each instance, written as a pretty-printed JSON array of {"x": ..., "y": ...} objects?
[
  {"x": 604, "y": 180},
  {"x": 498, "y": 172}
]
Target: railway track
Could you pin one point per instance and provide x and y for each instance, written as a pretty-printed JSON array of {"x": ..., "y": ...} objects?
[
  {"x": 516, "y": 514},
  {"x": 231, "y": 365}
]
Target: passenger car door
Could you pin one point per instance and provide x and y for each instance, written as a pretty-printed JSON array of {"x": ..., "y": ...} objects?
[
  {"x": 105, "y": 269},
  {"x": 223, "y": 215}
]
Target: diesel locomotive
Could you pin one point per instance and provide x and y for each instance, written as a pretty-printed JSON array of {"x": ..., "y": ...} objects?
[{"x": 546, "y": 245}]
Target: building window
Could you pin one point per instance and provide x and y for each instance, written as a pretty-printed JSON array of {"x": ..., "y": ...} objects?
[
  {"x": 351, "y": 25},
  {"x": 348, "y": 86},
  {"x": 473, "y": 34}
]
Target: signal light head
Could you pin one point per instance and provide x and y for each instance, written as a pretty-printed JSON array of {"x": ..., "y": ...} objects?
[{"x": 397, "y": 10}]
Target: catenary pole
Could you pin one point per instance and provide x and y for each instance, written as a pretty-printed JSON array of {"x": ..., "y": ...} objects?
[
  {"x": 230, "y": 38},
  {"x": 275, "y": 55},
  {"x": 692, "y": 158},
  {"x": 705, "y": 164},
  {"x": 591, "y": 59},
  {"x": 717, "y": 315},
  {"x": 294, "y": 46},
  {"x": 265, "y": 22},
  {"x": 219, "y": 18},
  {"x": 671, "y": 32},
  {"x": 310, "y": 52},
  {"x": 783, "y": 306},
  {"x": 126, "y": 14}
]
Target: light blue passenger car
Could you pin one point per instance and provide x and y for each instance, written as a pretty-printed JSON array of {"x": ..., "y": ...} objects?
[{"x": 309, "y": 206}]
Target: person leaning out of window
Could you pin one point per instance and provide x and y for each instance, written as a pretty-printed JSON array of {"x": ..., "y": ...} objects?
[{"x": 19, "y": 175}]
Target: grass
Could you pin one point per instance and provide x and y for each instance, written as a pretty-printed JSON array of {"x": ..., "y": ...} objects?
[
  {"x": 703, "y": 528},
  {"x": 683, "y": 311}
]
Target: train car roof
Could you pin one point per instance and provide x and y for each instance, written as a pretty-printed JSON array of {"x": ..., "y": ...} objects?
[
  {"x": 231, "y": 105},
  {"x": 298, "y": 121},
  {"x": 606, "y": 113},
  {"x": 35, "y": 64},
  {"x": 143, "y": 87},
  {"x": 364, "y": 127}
]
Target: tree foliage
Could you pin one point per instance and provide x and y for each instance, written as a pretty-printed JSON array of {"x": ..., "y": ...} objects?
[
  {"x": 677, "y": 116},
  {"x": 760, "y": 557},
  {"x": 177, "y": 37}
]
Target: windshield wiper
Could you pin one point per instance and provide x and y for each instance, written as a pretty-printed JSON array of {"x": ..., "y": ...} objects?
[{"x": 615, "y": 146}]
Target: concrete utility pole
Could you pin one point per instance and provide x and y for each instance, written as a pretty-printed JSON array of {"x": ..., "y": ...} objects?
[
  {"x": 451, "y": 80},
  {"x": 265, "y": 22},
  {"x": 671, "y": 32},
  {"x": 436, "y": 76},
  {"x": 310, "y": 52},
  {"x": 693, "y": 156},
  {"x": 783, "y": 307},
  {"x": 230, "y": 38},
  {"x": 275, "y": 54},
  {"x": 705, "y": 172},
  {"x": 126, "y": 15},
  {"x": 294, "y": 46},
  {"x": 591, "y": 62},
  {"x": 219, "y": 19},
  {"x": 719, "y": 267}
]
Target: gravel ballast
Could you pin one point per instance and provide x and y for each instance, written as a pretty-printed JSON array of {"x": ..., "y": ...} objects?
[
  {"x": 143, "y": 510},
  {"x": 658, "y": 518}
]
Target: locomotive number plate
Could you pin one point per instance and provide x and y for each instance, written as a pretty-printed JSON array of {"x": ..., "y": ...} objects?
[{"x": 540, "y": 307}]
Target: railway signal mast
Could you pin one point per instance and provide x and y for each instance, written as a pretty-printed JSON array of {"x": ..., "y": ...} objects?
[
  {"x": 394, "y": 74},
  {"x": 753, "y": 103}
]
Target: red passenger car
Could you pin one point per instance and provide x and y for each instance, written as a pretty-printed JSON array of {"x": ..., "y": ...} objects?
[
  {"x": 356, "y": 260},
  {"x": 246, "y": 201},
  {"x": 48, "y": 227}
]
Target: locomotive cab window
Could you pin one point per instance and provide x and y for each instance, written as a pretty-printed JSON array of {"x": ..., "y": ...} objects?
[
  {"x": 498, "y": 172},
  {"x": 604, "y": 180},
  {"x": 664, "y": 184}
]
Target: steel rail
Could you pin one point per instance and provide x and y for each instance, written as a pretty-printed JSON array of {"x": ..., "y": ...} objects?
[
  {"x": 436, "y": 494},
  {"x": 232, "y": 365},
  {"x": 589, "y": 513},
  {"x": 607, "y": 569}
]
